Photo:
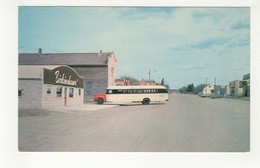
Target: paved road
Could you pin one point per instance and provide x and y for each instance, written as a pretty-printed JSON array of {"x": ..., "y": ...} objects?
[{"x": 187, "y": 123}]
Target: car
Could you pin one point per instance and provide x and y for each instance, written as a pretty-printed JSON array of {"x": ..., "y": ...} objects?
[{"x": 215, "y": 95}]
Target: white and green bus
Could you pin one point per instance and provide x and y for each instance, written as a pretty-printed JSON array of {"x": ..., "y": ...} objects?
[{"x": 126, "y": 94}]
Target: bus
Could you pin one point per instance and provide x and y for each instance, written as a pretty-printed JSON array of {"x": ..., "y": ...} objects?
[{"x": 127, "y": 94}]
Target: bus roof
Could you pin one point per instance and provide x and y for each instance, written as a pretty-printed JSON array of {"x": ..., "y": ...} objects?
[{"x": 138, "y": 87}]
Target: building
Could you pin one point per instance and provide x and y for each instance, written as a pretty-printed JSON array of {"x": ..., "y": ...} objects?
[
  {"x": 147, "y": 82},
  {"x": 236, "y": 88},
  {"x": 49, "y": 86},
  {"x": 240, "y": 87},
  {"x": 208, "y": 90},
  {"x": 97, "y": 69},
  {"x": 220, "y": 89},
  {"x": 122, "y": 82},
  {"x": 144, "y": 82},
  {"x": 246, "y": 84}
]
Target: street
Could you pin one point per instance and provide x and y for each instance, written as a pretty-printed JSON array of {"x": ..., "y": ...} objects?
[{"x": 187, "y": 123}]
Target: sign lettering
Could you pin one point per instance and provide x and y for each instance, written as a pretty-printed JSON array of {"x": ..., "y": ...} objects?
[
  {"x": 63, "y": 76},
  {"x": 61, "y": 79}
]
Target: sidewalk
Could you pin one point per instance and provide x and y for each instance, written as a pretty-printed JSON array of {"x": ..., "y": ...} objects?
[{"x": 84, "y": 107}]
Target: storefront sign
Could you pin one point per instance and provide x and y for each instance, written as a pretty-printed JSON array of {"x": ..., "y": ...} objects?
[{"x": 63, "y": 76}]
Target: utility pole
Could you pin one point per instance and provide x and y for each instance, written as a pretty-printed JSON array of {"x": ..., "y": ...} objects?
[
  {"x": 206, "y": 86},
  {"x": 149, "y": 75}
]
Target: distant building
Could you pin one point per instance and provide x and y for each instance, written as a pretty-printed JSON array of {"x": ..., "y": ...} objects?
[
  {"x": 97, "y": 69},
  {"x": 208, "y": 90},
  {"x": 122, "y": 82},
  {"x": 240, "y": 87},
  {"x": 246, "y": 84},
  {"x": 145, "y": 82},
  {"x": 236, "y": 88},
  {"x": 227, "y": 90},
  {"x": 128, "y": 82},
  {"x": 220, "y": 89}
]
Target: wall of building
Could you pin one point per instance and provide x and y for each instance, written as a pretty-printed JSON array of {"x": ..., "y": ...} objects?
[
  {"x": 208, "y": 90},
  {"x": 96, "y": 80},
  {"x": 111, "y": 70},
  {"x": 50, "y": 98},
  {"x": 31, "y": 94},
  {"x": 236, "y": 88}
]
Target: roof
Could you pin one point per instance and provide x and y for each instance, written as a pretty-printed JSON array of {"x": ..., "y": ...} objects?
[
  {"x": 32, "y": 71},
  {"x": 65, "y": 58},
  {"x": 246, "y": 76},
  {"x": 138, "y": 87}
]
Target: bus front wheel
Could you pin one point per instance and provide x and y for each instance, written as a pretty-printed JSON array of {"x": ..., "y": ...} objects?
[
  {"x": 146, "y": 101},
  {"x": 100, "y": 101}
]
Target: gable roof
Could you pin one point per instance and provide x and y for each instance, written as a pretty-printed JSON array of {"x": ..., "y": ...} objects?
[{"x": 65, "y": 58}]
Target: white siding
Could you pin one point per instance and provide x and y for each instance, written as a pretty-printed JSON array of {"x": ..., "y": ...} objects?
[
  {"x": 111, "y": 70},
  {"x": 33, "y": 71},
  {"x": 31, "y": 94},
  {"x": 51, "y": 100}
]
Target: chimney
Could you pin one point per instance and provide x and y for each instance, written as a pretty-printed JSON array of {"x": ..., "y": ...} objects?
[{"x": 40, "y": 51}]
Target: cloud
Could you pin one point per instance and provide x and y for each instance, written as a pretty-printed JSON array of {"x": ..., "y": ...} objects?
[
  {"x": 240, "y": 42},
  {"x": 140, "y": 13},
  {"x": 207, "y": 43},
  {"x": 170, "y": 40},
  {"x": 194, "y": 66},
  {"x": 203, "y": 44},
  {"x": 241, "y": 25},
  {"x": 213, "y": 15}
]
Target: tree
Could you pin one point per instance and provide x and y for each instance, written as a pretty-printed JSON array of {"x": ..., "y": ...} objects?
[
  {"x": 190, "y": 88},
  {"x": 162, "y": 82},
  {"x": 183, "y": 89}
]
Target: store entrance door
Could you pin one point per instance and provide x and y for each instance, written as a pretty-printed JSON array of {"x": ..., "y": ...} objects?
[{"x": 65, "y": 96}]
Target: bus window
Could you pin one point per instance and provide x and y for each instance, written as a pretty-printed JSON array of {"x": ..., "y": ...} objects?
[
  {"x": 162, "y": 91},
  {"x": 109, "y": 91},
  {"x": 117, "y": 91}
]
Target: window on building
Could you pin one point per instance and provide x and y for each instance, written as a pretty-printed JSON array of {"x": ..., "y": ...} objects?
[
  {"x": 79, "y": 92},
  {"x": 19, "y": 93},
  {"x": 59, "y": 91},
  {"x": 48, "y": 89},
  {"x": 240, "y": 84},
  {"x": 71, "y": 92}
]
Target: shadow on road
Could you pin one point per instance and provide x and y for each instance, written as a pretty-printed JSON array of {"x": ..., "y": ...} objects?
[{"x": 151, "y": 104}]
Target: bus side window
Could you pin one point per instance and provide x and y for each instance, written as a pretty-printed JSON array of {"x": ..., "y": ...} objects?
[
  {"x": 162, "y": 91},
  {"x": 114, "y": 91}
]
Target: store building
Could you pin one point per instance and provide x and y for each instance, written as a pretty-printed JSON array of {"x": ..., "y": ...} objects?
[
  {"x": 246, "y": 85},
  {"x": 239, "y": 88},
  {"x": 49, "y": 86},
  {"x": 97, "y": 69}
]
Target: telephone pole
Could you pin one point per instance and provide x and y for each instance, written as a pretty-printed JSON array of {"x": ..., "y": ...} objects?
[
  {"x": 206, "y": 85},
  {"x": 149, "y": 75}
]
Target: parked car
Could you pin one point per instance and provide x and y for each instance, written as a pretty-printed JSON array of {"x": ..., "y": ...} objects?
[{"x": 215, "y": 95}]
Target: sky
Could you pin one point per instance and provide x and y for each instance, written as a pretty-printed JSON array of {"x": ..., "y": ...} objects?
[{"x": 182, "y": 45}]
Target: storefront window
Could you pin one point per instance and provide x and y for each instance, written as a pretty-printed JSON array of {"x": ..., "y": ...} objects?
[
  {"x": 71, "y": 92},
  {"x": 59, "y": 91},
  {"x": 48, "y": 89},
  {"x": 19, "y": 93}
]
